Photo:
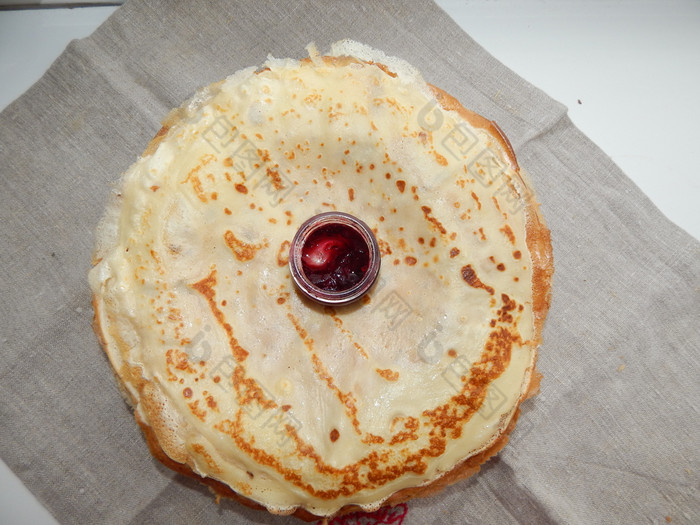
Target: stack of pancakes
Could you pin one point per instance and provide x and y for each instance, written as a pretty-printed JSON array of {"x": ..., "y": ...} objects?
[{"x": 237, "y": 378}]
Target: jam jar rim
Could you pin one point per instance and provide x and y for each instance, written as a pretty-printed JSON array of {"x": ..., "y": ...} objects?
[{"x": 333, "y": 297}]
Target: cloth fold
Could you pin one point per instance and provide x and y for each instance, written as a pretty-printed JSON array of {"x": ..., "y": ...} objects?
[{"x": 613, "y": 435}]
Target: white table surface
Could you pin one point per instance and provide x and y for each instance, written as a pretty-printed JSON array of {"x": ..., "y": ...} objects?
[{"x": 623, "y": 68}]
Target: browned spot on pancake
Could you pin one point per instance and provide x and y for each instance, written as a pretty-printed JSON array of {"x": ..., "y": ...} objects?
[
  {"x": 370, "y": 439},
  {"x": 194, "y": 179},
  {"x": 248, "y": 391},
  {"x": 241, "y": 250},
  {"x": 275, "y": 178},
  {"x": 384, "y": 248},
  {"x": 228, "y": 162},
  {"x": 241, "y": 188},
  {"x": 155, "y": 188},
  {"x": 330, "y": 311},
  {"x": 508, "y": 232},
  {"x": 178, "y": 360},
  {"x": 264, "y": 155},
  {"x": 442, "y": 161},
  {"x": 199, "y": 412},
  {"x": 227, "y": 211},
  {"x": 483, "y": 235},
  {"x": 334, "y": 435},
  {"x": 470, "y": 277},
  {"x": 383, "y": 68},
  {"x": 410, "y": 425},
  {"x": 206, "y": 288},
  {"x": 201, "y": 451},
  {"x": 411, "y": 261},
  {"x": 351, "y": 194},
  {"x": 452, "y": 352},
  {"x": 211, "y": 403},
  {"x": 286, "y": 408},
  {"x": 283, "y": 254},
  {"x": 454, "y": 252},
  {"x": 476, "y": 199},
  {"x": 347, "y": 333},
  {"x": 505, "y": 312},
  {"x": 501, "y": 267},
  {"x": 301, "y": 331},
  {"x": 432, "y": 220},
  {"x": 187, "y": 392},
  {"x": 281, "y": 300},
  {"x": 517, "y": 254},
  {"x": 495, "y": 202},
  {"x": 174, "y": 314},
  {"x": 388, "y": 374},
  {"x": 155, "y": 256},
  {"x": 401, "y": 185},
  {"x": 196, "y": 183}
]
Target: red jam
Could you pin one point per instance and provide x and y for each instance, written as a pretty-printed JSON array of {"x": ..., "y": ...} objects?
[{"x": 335, "y": 257}]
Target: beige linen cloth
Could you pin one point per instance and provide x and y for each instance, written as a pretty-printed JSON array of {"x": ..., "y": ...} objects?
[{"x": 613, "y": 436}]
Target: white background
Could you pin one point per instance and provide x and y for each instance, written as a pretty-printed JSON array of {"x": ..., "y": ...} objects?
[{"x": 633, "y": 65}]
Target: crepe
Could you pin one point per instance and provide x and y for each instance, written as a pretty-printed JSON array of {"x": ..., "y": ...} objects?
[{"x": 237, "y": 378}]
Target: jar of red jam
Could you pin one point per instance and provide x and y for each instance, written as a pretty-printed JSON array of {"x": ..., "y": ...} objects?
[{"x": 334, "y": 258}]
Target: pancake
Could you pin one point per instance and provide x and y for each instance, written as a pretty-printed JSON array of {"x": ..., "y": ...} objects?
[{"x": 237, "y": 378}]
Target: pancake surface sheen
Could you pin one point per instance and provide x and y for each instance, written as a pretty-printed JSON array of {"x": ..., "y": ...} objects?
[{"x": 234, "y": 376}]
